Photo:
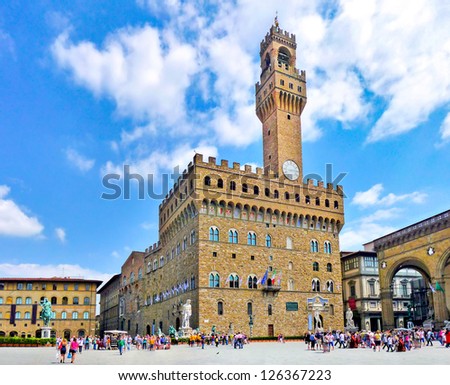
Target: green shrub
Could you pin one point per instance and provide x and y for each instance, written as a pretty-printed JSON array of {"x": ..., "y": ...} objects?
[{"x": 26, "y": 341}]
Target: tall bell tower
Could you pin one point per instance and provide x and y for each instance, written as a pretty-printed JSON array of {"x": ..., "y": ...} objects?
[{"x": 280, "y": 99}]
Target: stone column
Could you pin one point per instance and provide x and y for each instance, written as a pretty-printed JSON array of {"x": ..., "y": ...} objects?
[
  {"x": 440, "y": 308},
  {"x": 387, "y": 310}
]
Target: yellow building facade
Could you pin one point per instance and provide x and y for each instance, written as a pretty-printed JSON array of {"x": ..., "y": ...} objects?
[{"x": 73, "y": 303}]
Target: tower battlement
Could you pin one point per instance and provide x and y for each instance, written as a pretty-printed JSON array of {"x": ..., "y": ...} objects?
[
  {"x": 242, "y": 174},
  {"x": 279, "y": 35}
]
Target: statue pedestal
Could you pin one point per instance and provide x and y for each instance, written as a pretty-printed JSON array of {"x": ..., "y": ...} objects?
[
  {"x": 351, "y": 329},
  {"x": 46, "y": 332},
  {"x": 187, "y": 331}
]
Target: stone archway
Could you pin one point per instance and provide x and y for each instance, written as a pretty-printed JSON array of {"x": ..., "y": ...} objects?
[
  {"x": 386, "y": 277},
  {"x": 441, "y": 296}
]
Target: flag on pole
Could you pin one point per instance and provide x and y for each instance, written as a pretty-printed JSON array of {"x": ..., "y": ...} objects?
[
  {"x": 274, "y": 274},
  {"x": 264, "y": 278},
  {"x": 431, "y": 287},
  {"x": 439, "y": 287}
]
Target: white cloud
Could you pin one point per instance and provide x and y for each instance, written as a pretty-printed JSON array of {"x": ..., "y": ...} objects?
[
  {"x": 356, "y": 56},
  {"x": 160, "y": 161},
  {"x": 32, "y": 270},
  {"x": 146, "y": 73},
  {"x": 372, "y": 197},
  {"x": 353, "y": 237},
  {"x": 60, "y": 234},
  {"x": 14, "y": 221},
  {"x": 79, "y": 161},
  {"x": 7, "y": 44},
  {"x": 445, "y": 128}
]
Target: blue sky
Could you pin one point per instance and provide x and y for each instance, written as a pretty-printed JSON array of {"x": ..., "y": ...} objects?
[{"x": 87, "y": 87}]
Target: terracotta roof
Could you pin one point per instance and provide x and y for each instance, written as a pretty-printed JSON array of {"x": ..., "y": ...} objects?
[{"x": 50, "y": 279}]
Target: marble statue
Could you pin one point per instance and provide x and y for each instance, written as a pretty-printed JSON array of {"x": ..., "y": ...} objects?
[
  {"x": 186, "y": 312},
  {"x": 349, "y": 318},
  {"x": 318, "y": 320}
]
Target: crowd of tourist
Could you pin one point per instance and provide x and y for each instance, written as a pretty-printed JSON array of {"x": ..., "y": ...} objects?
[{"x": 396, "y": 340}]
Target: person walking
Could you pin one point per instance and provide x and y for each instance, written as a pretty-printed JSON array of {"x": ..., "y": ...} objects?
[
  {"x": 121, "y": 344},
  {"x": 447, "y": 338},
  {"x": 429, "y": 338},
  {"x": 62, "y": 351},
  {"x": 73, "y": 349}
]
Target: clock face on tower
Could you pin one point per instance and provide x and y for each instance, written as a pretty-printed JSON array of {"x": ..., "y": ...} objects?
[{"x": 290, "y": 170}]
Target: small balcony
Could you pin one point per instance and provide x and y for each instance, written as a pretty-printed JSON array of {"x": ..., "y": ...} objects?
[{"x": 271, "y": 288}]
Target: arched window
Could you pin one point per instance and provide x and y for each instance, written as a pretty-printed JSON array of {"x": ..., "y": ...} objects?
[
  {"x": 276, "y": 194},
  {"x": 75, "y": 315},
  {"x": 291, "y": 284},
  {"x": 244, "y": 188},
  {"x": 132, "y": 278},
  {"x": 327, "y": 203},
  {"x": 256, "y": 190},
  {"x": 327, "y": 247},
  {"x": 28, "y": 301},
  {"x": 336, "y": 204},
  {"x": 232, "y": 236},
  {"x": 268, "y": 241},
  {"x": 297, "y": 198},
  {"x": 184, "y": 243},
  {"x": 286, "y": 196},
  {"x": 65, "y": 301},
  {"x": 214, "y": 280},
  {"x": 193, "y": 237},
  {"x": 289, "y": 243},
  {"x": 19, "y": 300},
  {"x": 329, "y": 267},
  {"x": 330, "y": 286},
  {"x": 315, "y": 266},
  {"x": 252, "y": 282},
  {"x": 315, "y": 285},
  {"x": 234, "y": 281},
  {"x": 249, "y": 308},
  {"x": 76, "y": 301},
  {"x": 251, "y": 238},
  {"x": 207, "y": 181},
  {"x": 64, "y": 315},
  {"x": 86, "y": 315},
  {"x": 290, "y": 265},
  {"x": 269, "y": 309},
  {"x": 267, "y": 192},
  {"x": 233, "y": 185},
  {"x": 220, "y": 183},
  {"x": 18, "y": 315},
  {"x": 314, "y": 246},
  {"x": 283, "y": 58},
  {"x": 27, "y": 315},
  {"x": 220, "y": 308},
  {"x": 307, "y": 199},
  {"x": 317, "y": 201},
  {"x": 214, "y": 234}
]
